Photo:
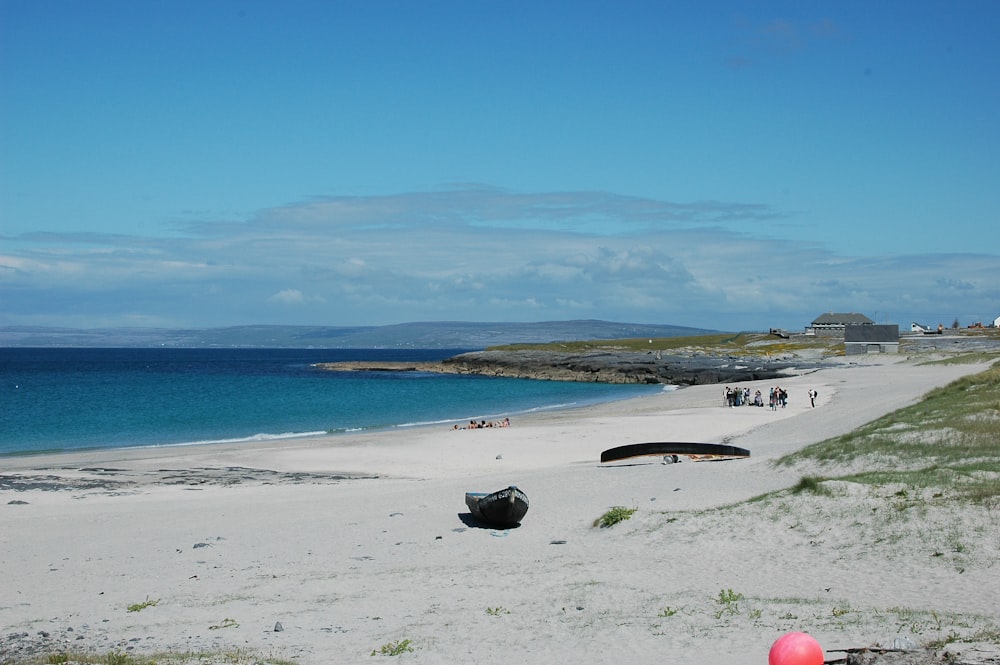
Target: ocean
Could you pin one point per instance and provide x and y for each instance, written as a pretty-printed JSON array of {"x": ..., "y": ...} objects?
[{"x": 55, "y": 399}]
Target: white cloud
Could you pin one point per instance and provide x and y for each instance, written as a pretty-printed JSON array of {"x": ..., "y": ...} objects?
[
  {"x": 481, "y": 254},
  {"x": 293, "y": 297},
  {"x": 288, "y": 297}
]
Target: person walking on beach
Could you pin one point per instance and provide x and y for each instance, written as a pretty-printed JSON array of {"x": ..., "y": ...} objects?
[{"x": 812, "y": 397}]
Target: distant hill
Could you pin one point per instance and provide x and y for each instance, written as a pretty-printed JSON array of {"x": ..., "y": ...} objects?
[{"x": 421, "y": 335}]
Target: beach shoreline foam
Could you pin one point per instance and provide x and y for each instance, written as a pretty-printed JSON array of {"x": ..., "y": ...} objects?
[{"x": 351, "y": 542}]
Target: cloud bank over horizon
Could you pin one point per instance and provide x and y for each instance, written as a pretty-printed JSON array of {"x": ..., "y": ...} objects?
[
  {"x": 728, "y": 165},
  {"x": 478, "y": 253}
]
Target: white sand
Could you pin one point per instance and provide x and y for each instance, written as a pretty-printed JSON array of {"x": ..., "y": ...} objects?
[{"x": 347, "y": 566}]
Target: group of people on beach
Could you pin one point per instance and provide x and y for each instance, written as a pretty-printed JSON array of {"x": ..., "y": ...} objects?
[
  {"x": 485, "y": 424},
  {"x": 776, "y": 397}
]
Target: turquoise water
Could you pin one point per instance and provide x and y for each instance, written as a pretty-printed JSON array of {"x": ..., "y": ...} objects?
[{"x": 63, "y": 399}]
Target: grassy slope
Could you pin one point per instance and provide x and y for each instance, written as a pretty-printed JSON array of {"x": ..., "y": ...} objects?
[
  {"x": 948, "y": 442},
  {"x": 722, "y": 344},
  {"x": 918, "y": 488}
]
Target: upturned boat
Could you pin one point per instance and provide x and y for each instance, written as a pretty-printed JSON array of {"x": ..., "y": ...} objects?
[{"x": 503, "y": 508}]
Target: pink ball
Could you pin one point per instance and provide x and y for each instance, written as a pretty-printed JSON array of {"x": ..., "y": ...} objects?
[{"x": 795, "y": 649}]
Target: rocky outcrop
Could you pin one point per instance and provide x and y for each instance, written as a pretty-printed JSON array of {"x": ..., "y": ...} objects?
[
  {"x": 597, "y": 367},
  {"x": 612, "y": 367}
]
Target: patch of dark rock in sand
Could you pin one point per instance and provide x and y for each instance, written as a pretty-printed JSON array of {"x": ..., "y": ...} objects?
[
  {"x": 115, "y": 481},
  {"x": 49, "y": 644},
  {"x": 236, "y": 475},
  {"x": 53, "y": 483},
  {"x": 913, "y": 657}
]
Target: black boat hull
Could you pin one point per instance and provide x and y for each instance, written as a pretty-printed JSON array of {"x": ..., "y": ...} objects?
[
  {"x": 505, "y": 507},
  {"x": 696, "y": 450}
]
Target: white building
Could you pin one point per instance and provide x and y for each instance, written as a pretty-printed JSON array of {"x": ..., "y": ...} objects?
[{"x": 833, "y": 324}]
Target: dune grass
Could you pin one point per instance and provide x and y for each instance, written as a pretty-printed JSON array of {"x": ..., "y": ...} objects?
[
  {"x": 967, "y": 358},
  {"x": 394, "y": 648},
  {"x": 613, "y": 516},
  {"x": 138, "y": 607},
  {"x": 921, "y": 484},
  {"x": 948, "y": 442}
]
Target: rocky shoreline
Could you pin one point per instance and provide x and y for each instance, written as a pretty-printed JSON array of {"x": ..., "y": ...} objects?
[
  {"x": 624, "y": 367},
  {"x": 690, "y": 366}
]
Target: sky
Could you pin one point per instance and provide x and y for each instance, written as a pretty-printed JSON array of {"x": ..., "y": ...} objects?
[{"x": 723, "y": 164}]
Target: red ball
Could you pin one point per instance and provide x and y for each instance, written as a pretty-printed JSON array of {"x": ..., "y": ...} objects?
[{"x": 795, "y": 649}]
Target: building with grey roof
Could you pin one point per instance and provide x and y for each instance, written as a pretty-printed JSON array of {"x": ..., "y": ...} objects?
[
  {"x": 833, "y": 324},
  {"x": 862, "y": 339}
]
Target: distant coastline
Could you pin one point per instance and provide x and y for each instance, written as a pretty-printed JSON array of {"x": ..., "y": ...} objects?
[{"x": 459, "y": 335}]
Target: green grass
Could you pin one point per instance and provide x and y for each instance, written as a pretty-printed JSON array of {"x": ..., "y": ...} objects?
[
  {"x": 812, "y": 485},
  {"x": 929, "y": 628},
  {"x": 991, "y": 635},
  {"x": 948, "y": 443},
  {"x": 138, "y": 607},
  {"x": 729, "y": 602},
  {"x": 728, "y": 597},
  {"x": 393, "y": 648},
  {"x": 919, "y": 468},
  {"x": 968, "y": 358},
  {"x": 614, "y": 516}
]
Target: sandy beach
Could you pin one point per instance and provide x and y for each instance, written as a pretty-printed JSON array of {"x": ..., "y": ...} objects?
[{"x": 328, "y": 549}]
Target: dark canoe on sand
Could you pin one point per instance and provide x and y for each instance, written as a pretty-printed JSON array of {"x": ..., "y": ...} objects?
[
  {"x": 504, "y": 507},
  {"x": 672, "y": 449}
]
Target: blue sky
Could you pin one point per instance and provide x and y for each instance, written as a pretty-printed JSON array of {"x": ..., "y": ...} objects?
[{"x": 731, "y": 165}]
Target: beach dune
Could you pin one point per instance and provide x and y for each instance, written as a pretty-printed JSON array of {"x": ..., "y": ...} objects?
[{"x": 328, "y": 549}]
